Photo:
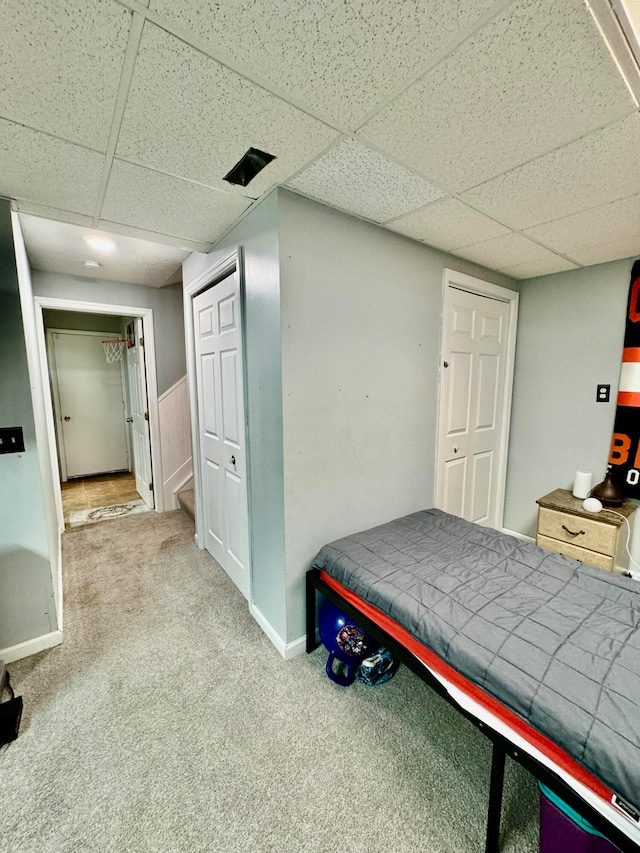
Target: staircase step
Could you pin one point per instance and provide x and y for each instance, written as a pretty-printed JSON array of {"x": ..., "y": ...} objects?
[{"x": 187, "y": 499}]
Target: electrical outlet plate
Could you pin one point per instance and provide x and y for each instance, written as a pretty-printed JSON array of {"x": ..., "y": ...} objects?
[{"x": 602, "y": 393}]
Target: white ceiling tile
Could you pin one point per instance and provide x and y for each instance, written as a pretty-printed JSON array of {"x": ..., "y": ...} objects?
[
  {"x": 615, "y": 227},
  {"x": 340, "y": 59},
  {"x": 603, "y": 166},
  {"x": 46, "y": 170},
  {"x": 448, "y": 224},
  {"x": 622, "y": 246},
  {"x": 60, "y": 247},
  {"x": 189, "y": 116},
  {"x": 47, "y": 212},
  {"x": 356, "y": 179},
  {"x": 154, "y": 237},
  {"x": 60, "y": 65},
  {"x": 532, "y": 269},
  {"x": 535, "y": 78},
  {"x": 168, "y": 205},
  {"x": 507, "y": 251}
]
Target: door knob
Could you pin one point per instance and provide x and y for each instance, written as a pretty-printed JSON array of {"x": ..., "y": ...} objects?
[
  {"x": 67, "y": 418},
  {"x": 233, "y": 461}
]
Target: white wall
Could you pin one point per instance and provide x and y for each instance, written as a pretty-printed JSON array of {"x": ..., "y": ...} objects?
[
  {"x": 570, "y": 338},
  {"x": 166, "y": 303},
  {"x": 175, "y": 441},
  {"x": 360, "y": 316}
]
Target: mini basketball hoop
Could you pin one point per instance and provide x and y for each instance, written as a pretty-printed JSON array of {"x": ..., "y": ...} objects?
[{"x": 113, "y": 349}]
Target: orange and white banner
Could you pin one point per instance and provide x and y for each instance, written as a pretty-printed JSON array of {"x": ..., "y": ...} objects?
[{"x": 624, "y": 457}]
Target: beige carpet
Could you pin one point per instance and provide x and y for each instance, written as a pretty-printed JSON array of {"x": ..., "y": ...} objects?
[{"x": 167, "y": 722}]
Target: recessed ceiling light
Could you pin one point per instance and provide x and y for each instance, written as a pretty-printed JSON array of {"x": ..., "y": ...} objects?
[
  {"x": 92, "y": 264},
  {"x": 100, "y": 244}
]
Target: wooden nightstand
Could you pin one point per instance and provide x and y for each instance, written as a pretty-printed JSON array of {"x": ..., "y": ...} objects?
[{"x": 595, "y": 538}]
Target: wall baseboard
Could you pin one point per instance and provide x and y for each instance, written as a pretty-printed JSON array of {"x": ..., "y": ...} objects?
[
  {"x": 296, "y": 647},
  {"x": 287, "y": 650},
  {"x": 188, "y": 484},
  {"x": 517, "y": 535},
  {"x": 174, "y": 387},
  {"x": 31, "y": 647},
  {"x": 176, "y": 483}
]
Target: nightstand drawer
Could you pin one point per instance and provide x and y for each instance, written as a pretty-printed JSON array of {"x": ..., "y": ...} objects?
[
  {"x": 579, "y": 532},
  {"x": 590, "y": 558}
]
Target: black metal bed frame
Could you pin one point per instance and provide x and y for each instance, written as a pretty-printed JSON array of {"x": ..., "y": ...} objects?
[{"x": 501, "y": 746}]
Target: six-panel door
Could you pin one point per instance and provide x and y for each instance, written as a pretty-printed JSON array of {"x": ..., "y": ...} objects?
[{"x": 219, "y": 377}]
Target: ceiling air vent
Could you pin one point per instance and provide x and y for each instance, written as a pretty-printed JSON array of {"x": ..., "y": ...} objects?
[{"x": 248, "y": 167}]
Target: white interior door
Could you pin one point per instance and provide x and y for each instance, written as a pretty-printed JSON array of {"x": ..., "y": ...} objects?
[
  {"x": 139, "y": 415},
  {"x": 221, "y": 429},
  {"x": 91, "y": 416},
  {"x": 472, "y": 397}
]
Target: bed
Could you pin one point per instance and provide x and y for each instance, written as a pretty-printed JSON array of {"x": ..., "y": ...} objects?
[{"x": 540, "y": 652}]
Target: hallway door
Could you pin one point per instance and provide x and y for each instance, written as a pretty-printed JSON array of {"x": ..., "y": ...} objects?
[
  {"x": 91, "y": 410},
  {"x": 475, "y": 400},
  {"x": 139, "y": 413}
]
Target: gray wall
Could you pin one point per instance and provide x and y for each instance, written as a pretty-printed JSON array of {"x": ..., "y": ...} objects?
[
  {"x": 342, "y": 339},
  {"x": 257, "y": 233},
  {"x": 361, "y": 316},
  {"x": 27, "y": 608},
  {"x": 570, "y": 337},
  {"x": 166, "y": 303}
]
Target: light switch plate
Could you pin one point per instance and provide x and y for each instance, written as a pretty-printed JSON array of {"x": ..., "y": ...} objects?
[{"x": 11, "y": 440}]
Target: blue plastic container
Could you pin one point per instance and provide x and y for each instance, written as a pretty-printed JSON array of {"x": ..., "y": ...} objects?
[{"x": 563, "y": 830}]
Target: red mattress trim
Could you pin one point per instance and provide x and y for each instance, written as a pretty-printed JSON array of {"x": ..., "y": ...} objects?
[{"x": 435, "y": 663}]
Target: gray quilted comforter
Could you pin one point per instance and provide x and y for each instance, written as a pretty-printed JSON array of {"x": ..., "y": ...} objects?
[{"x": 554, "y": 640}]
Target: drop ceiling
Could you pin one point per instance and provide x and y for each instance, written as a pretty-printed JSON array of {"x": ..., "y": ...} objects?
[{"x": 504, "y": 132}]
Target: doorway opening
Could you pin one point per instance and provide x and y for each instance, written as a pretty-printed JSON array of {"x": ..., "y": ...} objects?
[
  {"x": 100, "y": 414},
  {"x": 143, "y": 317}
]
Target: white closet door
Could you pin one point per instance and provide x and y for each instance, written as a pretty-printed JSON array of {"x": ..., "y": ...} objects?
[{"x": 219, "y": 378}]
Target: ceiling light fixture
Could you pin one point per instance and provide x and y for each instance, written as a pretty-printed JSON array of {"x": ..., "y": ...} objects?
[
  {"x": 619, "y": 25},
  {"x": 100, "y": 244},
  {"x": 628, "y": 13},
  {"x": 92, "y": 264}
]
